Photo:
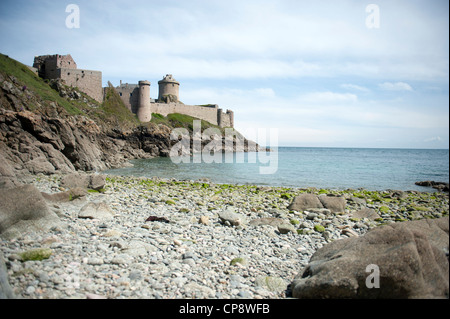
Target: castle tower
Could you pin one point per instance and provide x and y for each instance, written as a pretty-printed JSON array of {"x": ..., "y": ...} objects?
[
  {"x": 144, "y": 111},
  {"x": 168, "y": 89}
]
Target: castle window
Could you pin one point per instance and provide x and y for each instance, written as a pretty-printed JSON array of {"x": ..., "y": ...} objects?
[
  {"x": 120, "y": 93},
  {"x": 68, "y": 73},
  {"x": 131, "y": 94}
]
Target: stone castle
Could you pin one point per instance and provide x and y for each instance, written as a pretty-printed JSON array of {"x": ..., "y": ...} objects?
[
  {"x": 64, "y": 67},
  {"x": 136, "y": 97}
]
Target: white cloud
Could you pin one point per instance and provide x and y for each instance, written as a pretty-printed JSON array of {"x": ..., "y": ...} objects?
[
  {"x": 355, "y": 87},
  {"x": 397, "y": 86},
  {"x": 433, "y": 139},
  {"x": 327, "y": 97}
]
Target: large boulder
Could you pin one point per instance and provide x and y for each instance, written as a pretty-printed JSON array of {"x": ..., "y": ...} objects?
[
  {"x": 401, "y": 260},
  {"x": 23, "y": 209},
  {"x": 369, "y": 213},
  {"x": 83, "y": 180},
  {"x": 74, "y": 180},
  {"x": 305, "y": 201},
  {"x": 99, "y": 211},
  {"x": 335, "y": 204},
  {"x": 97, "y": 181}
]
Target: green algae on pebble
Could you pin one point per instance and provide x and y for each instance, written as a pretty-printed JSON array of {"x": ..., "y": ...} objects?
[{"x": 37, "y": 254}]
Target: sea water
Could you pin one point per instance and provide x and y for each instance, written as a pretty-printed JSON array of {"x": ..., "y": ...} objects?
[{"x": 301, "y": 167}]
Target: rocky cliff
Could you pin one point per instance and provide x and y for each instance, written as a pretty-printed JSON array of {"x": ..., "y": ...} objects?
[{"x": 47, "y": 127}]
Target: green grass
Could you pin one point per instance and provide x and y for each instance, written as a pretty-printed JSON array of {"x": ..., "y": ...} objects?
[
  {"x": 113, "y": 107},
  {"x": 177, "y": 120},
  {"x": 28, "y": 78}
]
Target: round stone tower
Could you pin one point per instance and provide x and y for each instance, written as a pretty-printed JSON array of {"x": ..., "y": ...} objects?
[
  {"x": 168, "y": 89},
  {"x": 144, "y": 111}
]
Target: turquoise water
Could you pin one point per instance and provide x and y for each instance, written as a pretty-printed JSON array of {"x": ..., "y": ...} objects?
[{"x": 335, "y": 168}]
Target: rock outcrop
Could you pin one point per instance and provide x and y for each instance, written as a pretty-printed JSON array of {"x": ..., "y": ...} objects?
[
  {"x": 38, "y": 144},
  {"x": 440, "y": 186},
  {"x": 411, "y": 260}
]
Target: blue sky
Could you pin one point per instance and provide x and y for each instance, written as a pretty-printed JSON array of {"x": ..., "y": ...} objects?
[{"x": 313, "y": 70}]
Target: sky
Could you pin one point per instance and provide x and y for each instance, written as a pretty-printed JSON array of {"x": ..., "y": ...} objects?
[{"x": 329, "y": 73}]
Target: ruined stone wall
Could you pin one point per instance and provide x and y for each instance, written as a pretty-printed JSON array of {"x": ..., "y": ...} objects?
[
  {"x": 225, "y": 119},
  {"x": 64, "y": 67},
  {"x": 129, "y": 93},
  {"x": 207, "y": 113},
  {"x": 65, "y": 61},
  {"x": 87, "y": 81},
  {"x": 48, "y": 65}
]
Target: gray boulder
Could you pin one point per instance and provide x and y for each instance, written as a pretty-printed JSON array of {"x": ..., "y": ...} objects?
[
  {"x": 366, "y": 213},
  {"x": 272, "y": 221},
  {"x": 83, "y": 180},
  {"x": 286, "y": 228},
  {"x": 411, "y": 257},
  {"x": 336, "y": 204},
  {"x": 97, "y": 181},
  {"x": 230, "y": 217},
  {"x": 74, "y": 180},
  {"x": 305, "y": 201},
  {"x": 99, "y": 211},
  {"x": 23, "y": 210}
]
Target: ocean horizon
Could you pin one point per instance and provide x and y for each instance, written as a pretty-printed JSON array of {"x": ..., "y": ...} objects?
[{"x": 302, "y": 167}]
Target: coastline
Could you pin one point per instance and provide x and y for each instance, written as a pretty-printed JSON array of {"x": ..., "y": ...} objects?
[
  {"x": 306, "y": 167},
  {"x": 192, "y": 251}
]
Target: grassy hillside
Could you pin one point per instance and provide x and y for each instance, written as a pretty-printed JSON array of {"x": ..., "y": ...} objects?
[
  {"x": 36, "y": 94},
  {"x": 114, "y": 111},
  {"x": 25, "y": 77}
]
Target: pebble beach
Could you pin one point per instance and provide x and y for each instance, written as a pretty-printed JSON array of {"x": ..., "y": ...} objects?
[{"x": 171, "y": 239}]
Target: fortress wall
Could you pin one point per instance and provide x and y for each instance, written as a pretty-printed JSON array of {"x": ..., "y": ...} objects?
[
  {"x": 65, "y": 61},
  {"x": 130, "y": 96},
  {"x": 227, "y": 119},
  {"x": 48, "y": 65},
  {"x": 87, "y": 81},
  {"x": 51, "y": 70},
  {"x": 206, "y": 113}
]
